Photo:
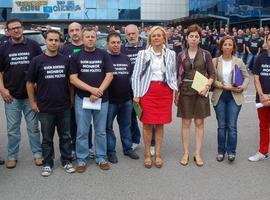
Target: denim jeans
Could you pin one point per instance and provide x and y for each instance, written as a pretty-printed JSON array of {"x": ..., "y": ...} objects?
[
  {"x": 83, "y": 119},
  {"x": 48, "y": 123},
  {"x": 13, "y": 113},
  {"x": 123, "y": 113},
  {"x": 135, "y": 131},
  {"x": 250, "y": 61},
  {"x": 73, "y": 130},
  {"x": 227, "y": 112},
  {"x": 239, "y": 55}
]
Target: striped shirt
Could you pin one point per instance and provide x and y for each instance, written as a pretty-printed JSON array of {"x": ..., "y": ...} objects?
[{"x": 142, "y": 74}]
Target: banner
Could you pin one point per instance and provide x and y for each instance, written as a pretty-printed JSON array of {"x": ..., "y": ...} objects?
[{"x": 47, "y": 6}]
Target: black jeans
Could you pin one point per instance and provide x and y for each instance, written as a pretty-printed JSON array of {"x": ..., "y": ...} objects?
[{"x": 48, "y": 123}]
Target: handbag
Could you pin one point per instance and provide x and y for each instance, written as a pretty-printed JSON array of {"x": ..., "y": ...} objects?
[{"x": 238, "y": 78}]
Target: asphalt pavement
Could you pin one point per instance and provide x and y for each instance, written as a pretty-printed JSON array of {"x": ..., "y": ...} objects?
[{"x": 129, "y": 179}]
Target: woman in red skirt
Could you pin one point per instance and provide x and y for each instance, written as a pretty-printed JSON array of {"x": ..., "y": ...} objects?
[{"x": 153, "y": 83}]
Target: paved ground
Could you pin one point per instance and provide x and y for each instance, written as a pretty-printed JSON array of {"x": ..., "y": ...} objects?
[{"x": 128, "y": 179}]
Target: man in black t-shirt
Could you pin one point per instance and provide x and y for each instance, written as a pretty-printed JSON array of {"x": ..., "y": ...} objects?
[
  {"x": 50, "y": 72},
  {"x": 91, "y": 73},
  {"x": 76, "y": 45},
  {"x": 120, "y": 103},
  {"x": 15, "y": 57},
  {"x": 253, "y": 48},
  {"x": 240, "y": 43}
]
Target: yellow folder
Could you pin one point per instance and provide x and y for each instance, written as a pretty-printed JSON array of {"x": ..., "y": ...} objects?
[{"x": 199, "y": 82}]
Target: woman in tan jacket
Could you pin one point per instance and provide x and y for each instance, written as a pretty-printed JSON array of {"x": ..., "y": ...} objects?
[{"x": 227, "y": 98}]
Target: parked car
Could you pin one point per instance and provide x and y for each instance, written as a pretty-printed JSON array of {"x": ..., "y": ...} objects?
[{"x": 34, "y": 35}]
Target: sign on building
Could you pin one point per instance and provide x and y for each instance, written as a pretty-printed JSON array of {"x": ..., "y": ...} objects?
[{"x": 47, "y": 6}]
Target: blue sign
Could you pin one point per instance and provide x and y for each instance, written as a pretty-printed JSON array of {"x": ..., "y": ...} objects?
[{"x": 47, "y": 9}]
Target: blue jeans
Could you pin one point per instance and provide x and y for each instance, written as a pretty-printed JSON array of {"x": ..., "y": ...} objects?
[
  {"x": 239, "y": 55},
  {"x": 73, "y": 130},
  {"x": 83, "y": 119},
  {"x": 227, "y": 112},
  {"x": 135, "y": 131},
  {"x": 123, "y": 113},
  {"x": 13, "y": 113},
  {"x": 250, "y": 61},
  {"x": 61, "y": 121}
]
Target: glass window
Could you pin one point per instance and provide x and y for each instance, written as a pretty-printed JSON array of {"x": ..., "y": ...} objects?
[
  {"x": 112, "y": 13},
  {"x": 135, "y": 4},
  {"x": 91, "y": 13},
  {"x": 90, "y": 4},
  {"x": 102, "y": 4},
  {"x": 113, "y": 4},
  {"x": 6, "y": 4},
  {"x": 101, "y": 13},
  {"x": 124, "y": 4}
]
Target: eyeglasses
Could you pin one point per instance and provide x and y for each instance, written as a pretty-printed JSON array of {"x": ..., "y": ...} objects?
[{"x": 14, "y": 28}]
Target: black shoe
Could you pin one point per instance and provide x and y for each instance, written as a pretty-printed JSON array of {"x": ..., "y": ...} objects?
[
  {"x": 231, "y": 157},
  {"x": 220, "y": 157},
  {"x": 2, "y": 162},
  {"x": 112, "y": 158},
  {"x": 132, "y": 155}
]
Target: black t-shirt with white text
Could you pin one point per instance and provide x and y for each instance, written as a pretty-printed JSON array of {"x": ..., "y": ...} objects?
[
  {"x": 14, "y": 63},
  {"x": 120, "y": 88},
  {"x": 51, "y": 73},
  {"x": 262, "y": 69},
  {"x": 91, "y": 68},
  {"x": 239, "y": 43},
  {"x": 253, "y": 46}
]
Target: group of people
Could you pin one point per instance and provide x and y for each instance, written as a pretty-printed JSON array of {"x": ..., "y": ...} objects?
[{"x": 80, "y": 87}]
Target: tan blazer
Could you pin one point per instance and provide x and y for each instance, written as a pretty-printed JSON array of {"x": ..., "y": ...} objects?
[{"x": 238, "y": 97}]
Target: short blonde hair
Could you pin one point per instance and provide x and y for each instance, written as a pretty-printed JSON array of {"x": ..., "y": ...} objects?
[{"x": 152, "y": 30}]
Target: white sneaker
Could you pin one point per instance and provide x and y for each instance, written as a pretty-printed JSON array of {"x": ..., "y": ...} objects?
[
  {"x": 134, "y": 146},
  {"x": 152, "y": 150},
  {"x": 91, "y": 153},
  {"x": 46, "y": 171},
  {"x": 69, "y": 168},
  {"x": 257, "y": 157}
]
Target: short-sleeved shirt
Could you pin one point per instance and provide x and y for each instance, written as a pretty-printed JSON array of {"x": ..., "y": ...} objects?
[
  {"x": 253, "y": 46},
  {"x": 120, "y": 88},
  {"x": 239, "y": 43},
  {"x": 70, "y": 49},
  {"x": 51, "y": 73},
  {"x": 91, "y": 68},
  {"x": 14, "y": 63},
  {"x": 262, "y": 69}
]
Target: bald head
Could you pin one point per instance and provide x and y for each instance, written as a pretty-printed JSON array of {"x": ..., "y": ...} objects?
[
  {"x": 75, "y": 32},
  {"x": 132, "y": 34}
]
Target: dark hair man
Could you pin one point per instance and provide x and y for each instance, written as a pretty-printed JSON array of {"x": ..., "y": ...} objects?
[
  {"x": 50, "y": 72},
  {"x": 15, "y": 57}
]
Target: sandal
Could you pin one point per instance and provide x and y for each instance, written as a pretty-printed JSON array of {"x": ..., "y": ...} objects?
[
  {"x": 158, "y": 161},
  {"x": 184, "y": 160},
  {"x": 148, "y": 162},
  {"x": 199, "y": 162}
]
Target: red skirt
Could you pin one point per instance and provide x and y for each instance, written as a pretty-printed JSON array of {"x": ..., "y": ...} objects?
[{"x": 157, "y": 104}]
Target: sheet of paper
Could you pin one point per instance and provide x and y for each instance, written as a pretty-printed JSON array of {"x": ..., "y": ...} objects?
[
  {"x": 199, "y": 82},
  {"x": 87, "y": 104}
]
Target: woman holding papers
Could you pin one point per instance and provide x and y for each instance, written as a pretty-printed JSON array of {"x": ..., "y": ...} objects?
[
  {"x": 193, "y": 104},
  {"x": 262, "y": 85},
  {"x": 153, "y": 82},
  {"x": 228, "y": 96}
]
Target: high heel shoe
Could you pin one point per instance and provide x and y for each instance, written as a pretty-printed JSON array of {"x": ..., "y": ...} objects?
[
  {"x": 148, "y": 162},
  {"x": 197, "y": 159},
  {"x": 158, "y": 161},
  {"x": 184, "y": 160}
]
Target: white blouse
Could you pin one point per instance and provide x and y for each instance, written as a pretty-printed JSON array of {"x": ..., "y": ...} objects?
[
  {"x": 226, "y": 72},
  {"x": 157, "y": 67}
]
